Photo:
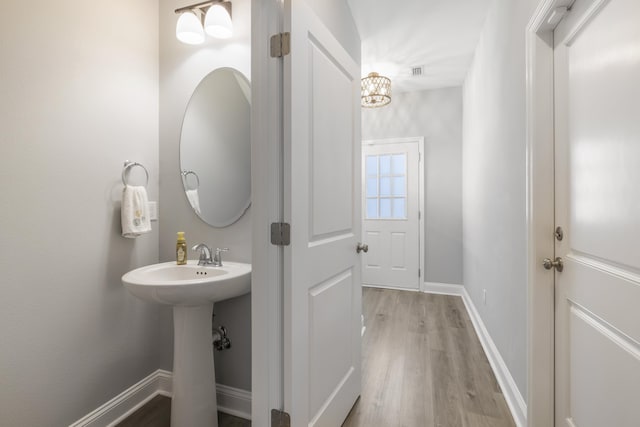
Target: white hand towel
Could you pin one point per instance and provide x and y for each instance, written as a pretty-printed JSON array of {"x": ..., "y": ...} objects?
[
  {"x": 194, "y": 199},
  {"x": 135, "y": 211}
]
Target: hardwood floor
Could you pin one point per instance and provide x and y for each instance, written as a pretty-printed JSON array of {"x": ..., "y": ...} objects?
[
  {"x": 423, "y": 365},
  {"x": 157, "y": 413}
]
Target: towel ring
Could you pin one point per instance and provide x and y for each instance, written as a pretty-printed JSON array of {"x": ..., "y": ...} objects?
[
  {"x": 184, "y": 176},
  {"x": 128, "y": 165}
]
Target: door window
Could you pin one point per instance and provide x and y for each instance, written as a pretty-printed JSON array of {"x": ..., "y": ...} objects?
[{"x": 386, "y": 191}]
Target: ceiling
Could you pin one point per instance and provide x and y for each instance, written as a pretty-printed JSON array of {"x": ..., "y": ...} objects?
[{"x": 439, "y": 35}]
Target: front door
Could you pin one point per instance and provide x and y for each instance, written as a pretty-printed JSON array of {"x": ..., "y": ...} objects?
[
  {"x": 597, "y": 97},
  {"x": 322, "y": 285},
  {"x": 391, "y": 210}
]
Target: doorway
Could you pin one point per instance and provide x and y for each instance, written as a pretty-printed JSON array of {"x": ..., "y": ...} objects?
[{"x": 393, "y": 201}]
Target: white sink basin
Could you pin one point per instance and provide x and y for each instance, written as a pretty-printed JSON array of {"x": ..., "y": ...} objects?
[
  {"x": 189, "y": 285},
  {"x": 191, "y": 290}
]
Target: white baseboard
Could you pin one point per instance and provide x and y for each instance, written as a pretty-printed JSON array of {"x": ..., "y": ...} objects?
[
  {"x": 442, "y": 288},
  {"x": 512, "y": 395},
  {"x": 234, "y": 401},
  {"x": 231, "y": 400},
  {"x": 128, "y": 401},
  {"x": 395, "y": 288}
]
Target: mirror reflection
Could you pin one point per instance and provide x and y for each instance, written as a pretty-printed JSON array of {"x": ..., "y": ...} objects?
[{"x": 215, "y": 148}]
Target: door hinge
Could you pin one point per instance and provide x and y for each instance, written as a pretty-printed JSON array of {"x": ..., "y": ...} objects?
[
  {"x": 280, "y": 418},
  {"x": 280, "y": 45},
  {"x": 419, "y": 214},
  {"x": 419, "y": 272},
  {"x": 280, "y": 234}
]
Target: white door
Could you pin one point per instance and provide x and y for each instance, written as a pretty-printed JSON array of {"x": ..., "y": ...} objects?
[
  {"x": 597, "y": 96},
  {"x": 322, "y": 285},
  {"x": 391, "y": 209}
]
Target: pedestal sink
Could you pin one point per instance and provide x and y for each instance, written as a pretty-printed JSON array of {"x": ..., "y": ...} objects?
[{"x": 191, "y": 290}]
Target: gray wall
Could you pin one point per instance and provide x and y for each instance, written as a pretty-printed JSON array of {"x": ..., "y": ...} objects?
[
  {"x": 79, "y": 96},
  {"x": 436, "y": 115},
  {"x": 494, "y": 220},
  {"x": 182, "y": 67},
  {"x": 336, "y": 15}
]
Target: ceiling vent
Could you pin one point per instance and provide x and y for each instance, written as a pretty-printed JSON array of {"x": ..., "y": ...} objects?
[{"x": 417, "y": 71}]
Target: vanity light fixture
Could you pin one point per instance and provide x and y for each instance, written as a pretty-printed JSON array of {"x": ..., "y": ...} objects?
[
  {"x": 375, "y": 90},
  {"x": 189, "y": 28},
  {"x": 213, "y": 16},
  {"x": 217, "y": 21}
]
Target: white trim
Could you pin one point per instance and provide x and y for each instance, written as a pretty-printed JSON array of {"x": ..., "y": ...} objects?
[
  {"x": 234, "y": 401},
  {"x": 395, "y": 288},
  {"x": 231, "y": 401},
  {"x": 128, "y": 401},
  {"x": 442, "y": 288},
  {"x": 512, "y": 395},
  {"x": 421, "y": 194},
  {"x": 267, "y": 332},
  {"x": 540, "y": 214}
]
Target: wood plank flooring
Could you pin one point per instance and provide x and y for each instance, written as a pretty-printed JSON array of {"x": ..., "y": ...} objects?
[
  {"x": 423, "y": 365},
  {"x": 157, "y": 413}
]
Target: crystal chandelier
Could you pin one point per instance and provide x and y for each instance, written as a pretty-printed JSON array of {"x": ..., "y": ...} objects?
[{"x": 376, "y": 90}]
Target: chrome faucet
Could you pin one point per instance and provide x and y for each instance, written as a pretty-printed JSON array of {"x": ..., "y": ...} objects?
[{"x": 205, "y": 255}]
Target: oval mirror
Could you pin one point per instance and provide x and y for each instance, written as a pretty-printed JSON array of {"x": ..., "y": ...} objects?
[{"x": 215, "y": 148}]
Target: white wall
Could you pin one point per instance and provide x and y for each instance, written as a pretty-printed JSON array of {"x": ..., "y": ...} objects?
[
  {"x": 436, "y": 115},
  {"x": 182, "y": 67},
  {"x": 494, "y": 181},
  {"x": 79, "y": 89}
]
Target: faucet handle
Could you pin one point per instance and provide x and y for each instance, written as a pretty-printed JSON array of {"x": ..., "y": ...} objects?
[{"x": 217, "y": 258}]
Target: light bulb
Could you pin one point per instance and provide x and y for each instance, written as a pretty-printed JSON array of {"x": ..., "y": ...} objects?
[
  {"x": 189, "y": 29},
  {"x": 217, "y": 22}
]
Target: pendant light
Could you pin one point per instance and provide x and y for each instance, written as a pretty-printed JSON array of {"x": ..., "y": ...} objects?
[{"x": 375, "y": 90}]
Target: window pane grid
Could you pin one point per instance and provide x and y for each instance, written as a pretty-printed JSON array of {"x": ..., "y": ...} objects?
[{"x": 386, "y": 186}]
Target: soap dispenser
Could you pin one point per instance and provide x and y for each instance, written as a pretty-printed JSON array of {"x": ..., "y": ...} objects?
[{"x": 181, "y": 249}]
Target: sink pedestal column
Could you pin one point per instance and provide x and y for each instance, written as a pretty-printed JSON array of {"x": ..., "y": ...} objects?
[{"x": 194, "y": 381}]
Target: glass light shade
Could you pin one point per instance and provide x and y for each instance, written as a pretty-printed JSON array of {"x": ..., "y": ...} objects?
[
  {"x": 217, "y": 22},
  {"x": 376, "y": 90},
  {"x": 189, "y": 29}
]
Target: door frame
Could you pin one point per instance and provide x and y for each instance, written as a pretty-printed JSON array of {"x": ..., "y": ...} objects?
[
  {"x": 421, "y": 198},
  {"x": 267, "y": 206},
  {"x": 540, "y": 213}
]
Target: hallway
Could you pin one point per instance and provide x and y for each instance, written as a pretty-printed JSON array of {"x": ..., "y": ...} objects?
[{"x": 439, "y": 376}]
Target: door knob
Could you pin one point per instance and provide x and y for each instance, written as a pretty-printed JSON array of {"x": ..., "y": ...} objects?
[
  {"x": 557, "y": 263},
  {"x": 362, "y": 248}
]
